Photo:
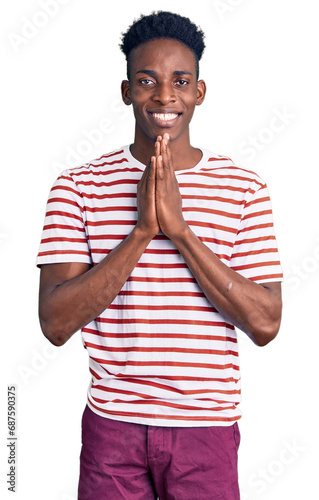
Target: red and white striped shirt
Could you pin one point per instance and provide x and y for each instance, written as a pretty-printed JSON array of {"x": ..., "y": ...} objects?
[{"x": 161, "y": 354}]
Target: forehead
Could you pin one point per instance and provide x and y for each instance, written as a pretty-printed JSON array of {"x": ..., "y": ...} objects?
[{"x": 163, "y": 55}]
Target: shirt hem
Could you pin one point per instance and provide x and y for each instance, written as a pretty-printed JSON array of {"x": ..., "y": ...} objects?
[{"x": 162, "y": 422}]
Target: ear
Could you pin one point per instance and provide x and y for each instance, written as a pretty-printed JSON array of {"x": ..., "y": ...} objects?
[
  {"x": 125, "y": 90},
  {"x": 201, "y": 92}
]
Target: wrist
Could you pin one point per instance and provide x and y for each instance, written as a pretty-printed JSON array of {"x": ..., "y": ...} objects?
[
  {"x": 180, "y": 234},
  {"x": 141, "y": 236}
]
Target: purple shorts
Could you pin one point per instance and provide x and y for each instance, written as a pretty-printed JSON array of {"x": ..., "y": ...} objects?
[{"x": 120, "y": 460}]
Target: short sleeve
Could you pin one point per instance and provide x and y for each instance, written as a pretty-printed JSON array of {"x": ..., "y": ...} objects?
[
  {"x": 255, "y": 253},
  {"x": 64, "y": 236}
]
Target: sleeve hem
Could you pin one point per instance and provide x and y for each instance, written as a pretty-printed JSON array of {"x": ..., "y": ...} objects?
[
  {"x": 61, "y": 259},
  {"x": 279, "y": 279}
]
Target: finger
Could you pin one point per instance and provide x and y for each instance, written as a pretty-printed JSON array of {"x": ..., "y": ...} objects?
[
  {"x": 149, "y": 173},
  {"x": 158, "y": 141},
  {"x": 166, "y": 136},
  {"x": 163, "y": 146},
  {"x": 151, "y": 177},
  {"x": 145, "y": 174},
  {"x": 157, "y": 148},
  {"x": 167, "y": 145},
  {"x": 152, "y": 169},
  {"x": 159, "y": 167},
  {"x": 166, "y": 153}
]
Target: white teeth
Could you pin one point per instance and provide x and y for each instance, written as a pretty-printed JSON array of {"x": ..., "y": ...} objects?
[{"x": 165, "y": 116}]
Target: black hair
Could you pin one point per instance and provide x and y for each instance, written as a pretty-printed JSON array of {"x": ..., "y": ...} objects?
[{"x": 163, "y": 25}]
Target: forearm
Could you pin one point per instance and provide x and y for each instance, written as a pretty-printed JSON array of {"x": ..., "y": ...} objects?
[
  {"x": 67, "y": 307},
  {"x": 243, "y": 303}
]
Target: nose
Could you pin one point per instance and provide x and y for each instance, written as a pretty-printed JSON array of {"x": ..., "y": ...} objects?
[{"x": 164, "y": 93}]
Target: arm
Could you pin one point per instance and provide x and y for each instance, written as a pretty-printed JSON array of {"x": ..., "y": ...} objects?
[
  {"x": 254, "y": 308},
  {"x": 73, "y": 294}
]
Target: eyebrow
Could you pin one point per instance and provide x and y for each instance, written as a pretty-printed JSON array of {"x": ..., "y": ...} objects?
[{"x": 152, "y": 73}]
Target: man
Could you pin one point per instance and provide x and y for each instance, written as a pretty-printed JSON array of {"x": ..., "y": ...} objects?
[{"x": 156, "y": 251}]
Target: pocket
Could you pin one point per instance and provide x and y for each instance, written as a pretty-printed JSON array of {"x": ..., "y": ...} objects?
[{"x": 92, "y": 427}]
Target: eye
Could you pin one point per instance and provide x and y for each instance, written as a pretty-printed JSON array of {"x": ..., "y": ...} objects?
[
  {"x": 182, "y": 83},
  {"x": 146, "y": 81}
]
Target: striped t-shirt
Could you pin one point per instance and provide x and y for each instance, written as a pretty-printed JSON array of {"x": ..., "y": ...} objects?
[{"x": 161, "y": 354}]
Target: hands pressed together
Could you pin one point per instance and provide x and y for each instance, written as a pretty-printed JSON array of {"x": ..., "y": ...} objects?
[
  {"x": 254, "y": 308},
  {"x": 65, "y": 287},
  {"x": 159, "y": 202}
]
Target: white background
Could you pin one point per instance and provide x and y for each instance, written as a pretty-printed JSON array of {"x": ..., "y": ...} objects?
[{"x": 60, "y": 83}]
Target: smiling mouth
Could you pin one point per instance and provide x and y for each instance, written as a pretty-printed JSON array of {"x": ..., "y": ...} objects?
[{"x": 167, "y": 119}]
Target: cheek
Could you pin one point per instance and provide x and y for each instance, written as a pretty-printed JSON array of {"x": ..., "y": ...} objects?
[
  {"x": 190, "y": 103},
  {"x": 139, "y": 94},
  {"x": 138, "y": 101},
  {"x": 137, "y": 110}
]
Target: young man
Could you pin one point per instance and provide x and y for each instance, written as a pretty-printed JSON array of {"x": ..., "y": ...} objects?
[{"x": 156, "y": 251}]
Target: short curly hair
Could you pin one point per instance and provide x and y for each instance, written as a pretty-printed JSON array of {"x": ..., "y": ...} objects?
[{"x": 163, "y": 25}]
